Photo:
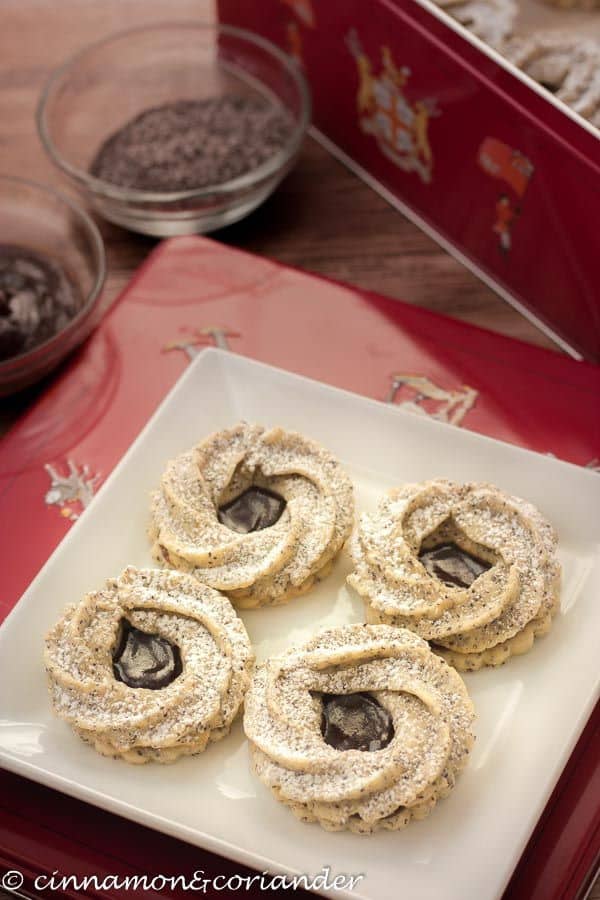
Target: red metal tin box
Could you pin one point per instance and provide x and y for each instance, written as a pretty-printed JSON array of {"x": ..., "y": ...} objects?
[{"x": 499, "y": 172}]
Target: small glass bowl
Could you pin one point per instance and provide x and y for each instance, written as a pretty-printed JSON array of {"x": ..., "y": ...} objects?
[
  {"x": 109, "y": 83},
  {"x": 46, "y": 221}
]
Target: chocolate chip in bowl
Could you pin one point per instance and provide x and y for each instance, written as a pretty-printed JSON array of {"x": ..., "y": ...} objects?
[
  {"x": 52, "y": 270},
  {"x": 175, "y": 128},
  {"x": 37, "y": 299}
]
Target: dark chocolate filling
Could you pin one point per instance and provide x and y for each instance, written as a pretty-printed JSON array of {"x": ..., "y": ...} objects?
[
  {"x": 452, "y": 565},
  {"x": 255, "y": 509},
  {"x": 142, "y": 660},
  {"x": 355, "y": 722}
]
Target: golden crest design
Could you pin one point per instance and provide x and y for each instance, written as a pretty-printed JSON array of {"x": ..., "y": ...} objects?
[{"x": 400, "y": 126}]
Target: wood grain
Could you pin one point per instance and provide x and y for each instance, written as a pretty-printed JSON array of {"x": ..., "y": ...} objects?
[{"x": 322, "y": 218}]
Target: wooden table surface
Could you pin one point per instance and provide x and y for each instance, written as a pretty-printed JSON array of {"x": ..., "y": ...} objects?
[{"x": 322, "y": 218}]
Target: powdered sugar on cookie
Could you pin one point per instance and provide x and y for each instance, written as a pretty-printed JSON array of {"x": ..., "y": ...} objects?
[
  {"x": 409, "y": 552},
  {"x": 427, "y": 704},
  {"x": 174, "y": 616},
  {"x": 255, "y": 561}
]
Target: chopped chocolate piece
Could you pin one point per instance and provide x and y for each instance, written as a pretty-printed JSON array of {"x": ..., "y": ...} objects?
[
  {"x": 452, "y": 565},
  {"x": 37, "y": 299},
  {"x": 190, "y": 144},
  {"x": 143, "y": 660},
  {"x": 355, "y": 722},
  {"x": 255, "y": 509}
]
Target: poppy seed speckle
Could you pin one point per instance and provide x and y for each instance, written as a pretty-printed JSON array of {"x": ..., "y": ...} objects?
[{"x": 191, "y": 144}]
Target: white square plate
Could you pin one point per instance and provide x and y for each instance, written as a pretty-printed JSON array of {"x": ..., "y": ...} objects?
[{"x": 530, "y": 712}]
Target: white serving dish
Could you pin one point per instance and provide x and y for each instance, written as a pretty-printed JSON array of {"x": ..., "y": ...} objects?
[{"x": 530, "y": 712}]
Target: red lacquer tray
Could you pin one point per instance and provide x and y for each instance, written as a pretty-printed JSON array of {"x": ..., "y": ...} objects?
[{"x": 193, "y": 292}]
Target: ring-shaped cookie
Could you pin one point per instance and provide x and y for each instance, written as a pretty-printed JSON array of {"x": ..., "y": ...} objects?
[
  {"x": 152, "y": 667},
  {"x": 567, "y": 65},
  {"x": 396, "y": 735},
  {"x": 258, "y": 514},
  {"x": 467, "y": 567},
  {"x": 490, "y": 20}
]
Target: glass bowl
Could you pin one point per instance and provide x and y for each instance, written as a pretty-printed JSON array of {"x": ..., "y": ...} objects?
[
  {"x": 109, "y": 83},
  {"x": 49, "y": 223}
]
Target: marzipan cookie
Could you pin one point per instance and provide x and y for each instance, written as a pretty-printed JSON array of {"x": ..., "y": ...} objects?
[
  {"x": 467, "y": 567},
  {"x": 362, "y": 728},
  {"x": 152, "y": 667},
  {"x": 568, "y": 66},
  {"x": 490, "y": 20},
  {"x": 257, "y": 513}
]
